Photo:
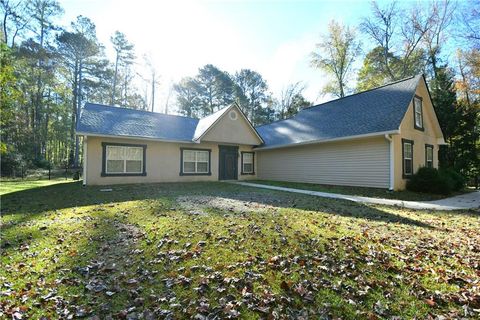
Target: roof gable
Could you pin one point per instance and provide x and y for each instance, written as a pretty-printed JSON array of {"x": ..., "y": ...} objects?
[
  {"x": 222, "y": 128},
  {"x": 431, "y": 126},
  {"x": 378, "y": 110},
  {"x": 205, "y": 124}
]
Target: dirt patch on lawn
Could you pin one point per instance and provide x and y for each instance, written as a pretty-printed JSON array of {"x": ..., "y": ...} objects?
[{"x": 199, "y": 204}]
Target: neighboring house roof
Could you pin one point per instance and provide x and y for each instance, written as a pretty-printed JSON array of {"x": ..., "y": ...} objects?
[{"x": 378, "y": 110}]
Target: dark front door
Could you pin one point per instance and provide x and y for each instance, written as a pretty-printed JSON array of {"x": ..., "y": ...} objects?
[{"x": 228, "y": 163}]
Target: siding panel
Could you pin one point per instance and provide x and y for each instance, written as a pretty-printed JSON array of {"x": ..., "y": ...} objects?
[{"x": 362, "y": 162}]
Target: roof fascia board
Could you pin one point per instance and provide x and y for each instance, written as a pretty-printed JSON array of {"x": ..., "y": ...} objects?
[
  {"x": 360, "y": 136},
  {"x": 409, "y": 103},
  {"x": 86, "y": 134},
  {"x": 249, "y": 123},
  {"x": 437, "y": 123}
]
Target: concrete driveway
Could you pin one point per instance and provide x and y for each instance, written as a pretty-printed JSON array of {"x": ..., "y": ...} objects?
[{"x": 462, "y": 202}]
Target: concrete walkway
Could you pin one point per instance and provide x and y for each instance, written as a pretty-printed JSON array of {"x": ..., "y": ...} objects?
[{"x": 465, "y": 201}]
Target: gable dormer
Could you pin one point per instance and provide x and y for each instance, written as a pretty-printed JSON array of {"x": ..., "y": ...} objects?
[{"x": 228, "y": 125}]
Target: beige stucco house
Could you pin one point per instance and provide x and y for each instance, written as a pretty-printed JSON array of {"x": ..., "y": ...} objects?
[{"x": 377, "y": 138}]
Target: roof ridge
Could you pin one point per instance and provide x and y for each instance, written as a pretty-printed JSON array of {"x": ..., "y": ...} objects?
[
  {"x": 351, "y": 95},
  {"x": 368, "y": 90},
  {"x": 139, "y": 110}
]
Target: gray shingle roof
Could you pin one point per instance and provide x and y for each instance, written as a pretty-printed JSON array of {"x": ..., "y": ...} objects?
[
  {"x": 114, "y": 121},
  {"x": 374, "y": 111},
  {"x": 377, "y": 110}
]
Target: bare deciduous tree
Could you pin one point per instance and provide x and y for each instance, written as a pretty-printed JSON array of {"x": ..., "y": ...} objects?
[
  {"x": 400, "y": 43},
  {"x": 14, "y": 20},
  {"x": 336, "y": 53},
  {"x": 154, "y": 79}
]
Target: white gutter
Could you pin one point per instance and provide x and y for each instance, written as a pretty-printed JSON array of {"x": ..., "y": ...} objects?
[
  {"x": 85, "y": 134},
  {"x": 441, "y": 141},
  {"x": 360, "y": 136},
  {"x": 392, "y": 161},
  {"x": 84, "y": 174}
]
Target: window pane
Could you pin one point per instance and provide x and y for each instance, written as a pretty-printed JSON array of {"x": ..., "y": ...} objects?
[
  {"x": 189, "y": 167},
  {"x": 202, "y": 167},
  {"x": 195, "y": 161},
  {"x": 407, "y": 150},
  {"x": 408, "y": 166},
  {"x": 134, "y": 166},
  {"x": 134, "y": 153},
  {"x": 418, "y": 112},
  {"x": 247, "y": 158},
  {"x": 202, "y": 156},
  {"x": 188, "y": 155},
  {"x": 247, "y": 167},
  {"x": 418, "y": 105},
  {"x": 115, "y": 152},
  {"x": 418, "y": 120},
  {"x": 115, "y": 166},
  {"x": 429, "y": 154}
]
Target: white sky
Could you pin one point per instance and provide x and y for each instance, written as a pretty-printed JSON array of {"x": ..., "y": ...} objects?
[{"x": 273, "y": 38}]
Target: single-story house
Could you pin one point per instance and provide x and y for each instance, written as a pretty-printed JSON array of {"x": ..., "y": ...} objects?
[{"x": 376, "y": 138}]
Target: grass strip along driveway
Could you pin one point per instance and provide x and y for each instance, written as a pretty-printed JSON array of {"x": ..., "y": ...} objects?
[
  {"x": 404, "y": 195},
  {"x": 215, "y": 250}
]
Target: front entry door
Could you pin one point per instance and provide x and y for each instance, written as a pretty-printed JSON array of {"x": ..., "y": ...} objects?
[{"x": 228, "y": 163}]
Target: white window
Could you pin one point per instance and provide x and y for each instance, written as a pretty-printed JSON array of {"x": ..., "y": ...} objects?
[
  {"x": 429, "y": 156},
  {"x": 196, "y": 161},
  {"x": 407, "y": 158},
  {"x": 247, "y": 162},
  {"x": 123, "y": 159},
  {"x": 417, "y": 103}
]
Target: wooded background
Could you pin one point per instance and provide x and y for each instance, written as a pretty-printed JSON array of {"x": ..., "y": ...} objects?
[{"x": 49, "y": 72}]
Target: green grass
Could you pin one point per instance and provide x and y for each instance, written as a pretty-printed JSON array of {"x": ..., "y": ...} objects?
[
  {"x": 194, "y": 249},
  {"x": 8, "y": 186},
  {"x": 359, "y": 191}
]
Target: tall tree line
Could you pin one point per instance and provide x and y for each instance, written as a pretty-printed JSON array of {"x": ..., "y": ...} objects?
[
  {"x": 47, "y": 74},
  {"x": 212, "y": 89},
  {"x": 408, "y": 40}
]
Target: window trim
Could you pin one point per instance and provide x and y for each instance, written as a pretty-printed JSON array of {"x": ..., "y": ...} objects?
[
  {"x": 404, "y": 175},
  {"x": 253, "y": 163},
  {"x": 427, "y": 146},
  {"x": 422, "y": 128},
  {"x": 209, "y": 173},
  {"x": 104, "y": 172}
]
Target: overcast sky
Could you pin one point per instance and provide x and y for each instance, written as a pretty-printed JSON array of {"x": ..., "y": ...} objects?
[{"x": 274, "y": 38}]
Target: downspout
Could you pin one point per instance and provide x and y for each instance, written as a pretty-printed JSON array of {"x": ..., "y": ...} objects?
[
  {"x": 392, "y": 162},
  {"x": 84, "y": 180}
]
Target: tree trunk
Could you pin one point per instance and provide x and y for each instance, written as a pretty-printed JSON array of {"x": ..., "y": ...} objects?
[
  {"x": 37, "y": 112},
  {"x": 45, "y": 135},
  {"x": 112, "y": 98},
  {"x": 79, "y": 97},
  {"x": 74, "y": 105},
  {"x": 153, "y": 91}
]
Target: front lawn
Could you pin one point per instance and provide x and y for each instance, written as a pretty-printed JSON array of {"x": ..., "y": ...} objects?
[
  {"x": 359, "y": 191},
  {"x": 217, "y": 250},
  {"x": 7, "y": 186}
]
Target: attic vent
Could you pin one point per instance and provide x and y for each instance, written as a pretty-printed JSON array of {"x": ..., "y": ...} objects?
[{"x": 233, "y": 115}]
